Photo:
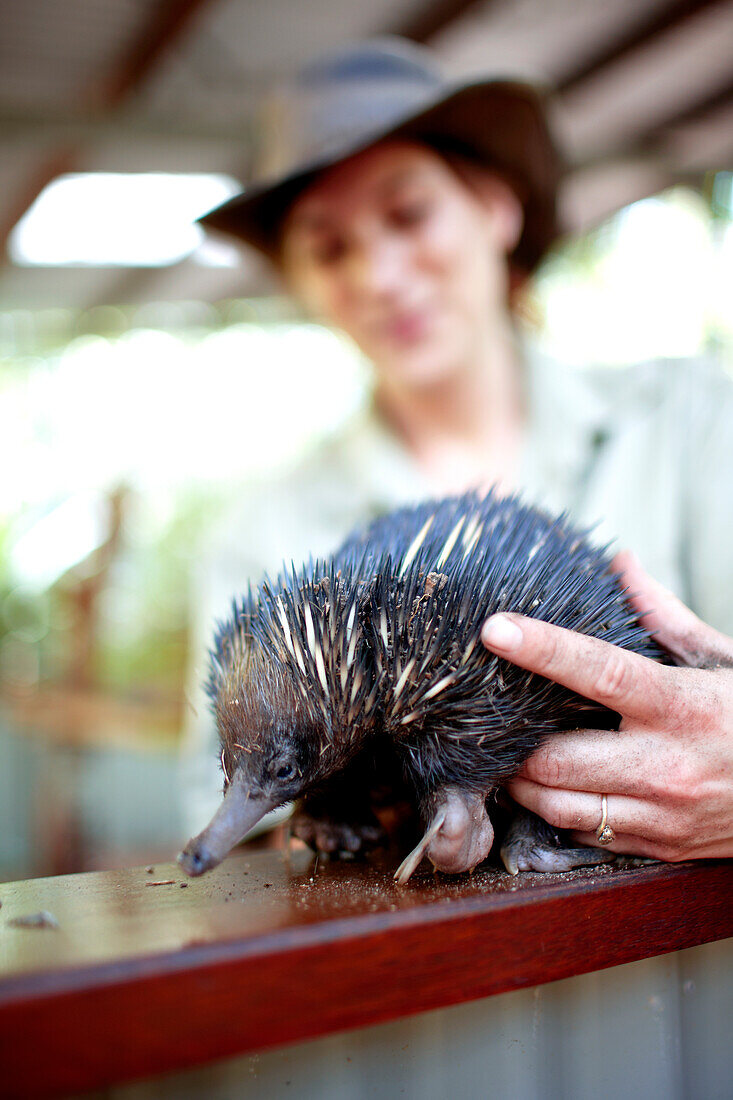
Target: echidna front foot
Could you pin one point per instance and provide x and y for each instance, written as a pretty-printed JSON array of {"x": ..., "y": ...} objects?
[
  {"x": 328, "y": 836},
  {"x": 458, "y": 837},
  {"x": 341, "y": 817},
  {"x": 531, "y": 844}
]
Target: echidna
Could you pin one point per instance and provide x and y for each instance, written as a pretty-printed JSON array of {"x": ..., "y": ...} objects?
[{"x": 380, "y": 644}]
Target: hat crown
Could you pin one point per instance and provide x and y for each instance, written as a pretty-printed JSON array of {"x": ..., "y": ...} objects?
[
  {"x": 342, "y": 99},
  {"x": 385, "y": 89},
  {"x": 380, "y": 59}
]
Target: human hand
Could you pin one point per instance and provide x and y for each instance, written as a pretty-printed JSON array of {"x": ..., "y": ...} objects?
[{"x": 668, "y": 772}]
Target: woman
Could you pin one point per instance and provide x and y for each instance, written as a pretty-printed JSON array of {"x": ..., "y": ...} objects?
[{"x": 407, "y": 217}]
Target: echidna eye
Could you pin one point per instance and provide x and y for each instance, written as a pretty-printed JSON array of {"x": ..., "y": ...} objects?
[{"x": 285, "y": 771}]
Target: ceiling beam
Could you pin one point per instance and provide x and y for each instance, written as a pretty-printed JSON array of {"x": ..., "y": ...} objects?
[
  {"x": 38, "y": 128},
  {"x": 651, "y": 143},
  {"x": 436, "y": 17},
  {"x": 658, "y": 141},
  {"x": 165, "y": 27},
  {"x": 673, "y": 17},
  {"x": 134, "y": 65},
  {"x": 698, "y": 112}
]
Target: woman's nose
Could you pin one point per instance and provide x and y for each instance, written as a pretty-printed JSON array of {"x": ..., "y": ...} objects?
[{"x": 379, "y": 268}]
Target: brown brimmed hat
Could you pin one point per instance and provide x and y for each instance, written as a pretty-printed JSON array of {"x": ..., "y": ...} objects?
[{"x": 391, "y": 88}]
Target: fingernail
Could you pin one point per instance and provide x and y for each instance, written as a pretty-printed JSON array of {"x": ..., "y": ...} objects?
[{"x": 501, "y": 633}]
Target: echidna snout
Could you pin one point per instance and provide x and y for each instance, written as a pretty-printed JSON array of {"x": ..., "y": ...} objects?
[{"x": 238, "y": 813}]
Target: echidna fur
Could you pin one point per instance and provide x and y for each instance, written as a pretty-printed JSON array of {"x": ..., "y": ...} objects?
[{"x": 383, "y": 640}]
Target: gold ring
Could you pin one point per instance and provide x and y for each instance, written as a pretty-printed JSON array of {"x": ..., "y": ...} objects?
[{"x": 604, "y": 832}]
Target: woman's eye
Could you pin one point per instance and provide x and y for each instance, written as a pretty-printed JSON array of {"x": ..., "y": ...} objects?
[
  {"x": 328, "y": 252},
  {"x": 408, "y": 214},
  {"x": 285, "y": 771}
]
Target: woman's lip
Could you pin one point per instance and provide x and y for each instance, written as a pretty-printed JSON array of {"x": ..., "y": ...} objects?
[{"x": 408, "y": 326}]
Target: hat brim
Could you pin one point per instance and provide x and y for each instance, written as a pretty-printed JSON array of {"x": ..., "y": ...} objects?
[{"x": 502, "y": 124}]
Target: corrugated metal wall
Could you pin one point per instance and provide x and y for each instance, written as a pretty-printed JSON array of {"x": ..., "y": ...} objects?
[{"x": 662, "y": 1028}]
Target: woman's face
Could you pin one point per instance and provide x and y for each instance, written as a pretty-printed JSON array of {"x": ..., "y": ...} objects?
[{"x": 396, "y": 249}]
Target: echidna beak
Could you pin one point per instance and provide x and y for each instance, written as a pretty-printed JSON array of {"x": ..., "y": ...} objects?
[{"x": 235, "y": 817}]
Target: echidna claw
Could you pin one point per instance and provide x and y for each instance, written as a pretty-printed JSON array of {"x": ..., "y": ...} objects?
[
  {"x": 411, "y": 862},
  {"x": 509, "y": 861}
]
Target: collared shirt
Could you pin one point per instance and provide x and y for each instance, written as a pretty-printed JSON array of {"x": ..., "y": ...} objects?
[{"x": 642, "y": 455}]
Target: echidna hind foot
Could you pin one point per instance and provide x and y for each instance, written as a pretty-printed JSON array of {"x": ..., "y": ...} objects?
[
  {"x": 531, "y": 844},
  {"x": 458, "y": 837}
]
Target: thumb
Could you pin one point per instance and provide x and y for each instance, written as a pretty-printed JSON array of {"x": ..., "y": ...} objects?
[{"x": 690, "y": 641}]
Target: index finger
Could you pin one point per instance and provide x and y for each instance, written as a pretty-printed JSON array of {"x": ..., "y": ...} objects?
[{"x": 635, "y": 686}]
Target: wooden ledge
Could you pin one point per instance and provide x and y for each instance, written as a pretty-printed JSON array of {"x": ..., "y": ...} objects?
[{"x": 145, "y": 975}]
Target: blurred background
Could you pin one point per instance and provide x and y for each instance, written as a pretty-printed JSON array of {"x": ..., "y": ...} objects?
[{"x": 139, "y": 361}]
